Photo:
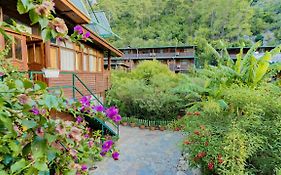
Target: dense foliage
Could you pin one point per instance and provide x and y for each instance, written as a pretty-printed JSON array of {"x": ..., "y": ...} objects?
[
  {"x": 234, "y": 123},
  {"x": 34, "y": 140},
  {"x": 146, "y": 92},
  {"x": 175, "y": 22}
]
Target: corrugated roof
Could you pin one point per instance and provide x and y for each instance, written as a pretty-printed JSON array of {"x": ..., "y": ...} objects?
[
  {"x": 100, "y": 24},
  {"x": 81, "y": 6}
]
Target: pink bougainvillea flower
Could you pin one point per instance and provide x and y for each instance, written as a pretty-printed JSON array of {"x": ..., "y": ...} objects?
[
  {"x": 86, "y": 35},
  {"x": 98, "y": 108},
  {"x": 73, "y": 152},
  {"x": 60, "y": 129},
  {"x": 75, "y": 134},
  {"x": 57, "y": 145},
  {"x": 117, "y": 118},
  {"x": 107, "y": 145},
  {"x": 2, "y": 74},
  {"x": 211, "y": 165},
  {"x": 35, "y": 110},
  {"x": 59, "y": 25},
  {"x": 43, "y": 111},
  {"x": 40, "y": 132},
  {"x": 111, "y": 112},
  {"x": 45, "y": 8},
  {"x": 85, "y": 101},
  {"x": 79, "y": 119},
  {"x": 91, "y": 143},
  {"x": 84, "y": 168},
  {"x": 78, "y": 29},
  {"x": 115, "y": 155},
  {"x": 23, "y": 99}
]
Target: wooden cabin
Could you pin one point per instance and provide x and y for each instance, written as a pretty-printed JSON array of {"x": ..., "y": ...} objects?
[
  {"x": 29, "y": 53},
  {"x": 177, "y": 58}
]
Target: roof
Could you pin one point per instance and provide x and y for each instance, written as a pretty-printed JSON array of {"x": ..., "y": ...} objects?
[
  {"x": 74, "y": 9},
  {"x": 99, "y": 40}
]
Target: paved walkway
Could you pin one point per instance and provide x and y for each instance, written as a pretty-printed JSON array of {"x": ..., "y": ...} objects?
[{"x": 143, "y": 152}]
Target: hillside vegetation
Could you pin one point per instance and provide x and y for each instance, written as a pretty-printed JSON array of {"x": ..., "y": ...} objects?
[{"x": 185, "y": 22}]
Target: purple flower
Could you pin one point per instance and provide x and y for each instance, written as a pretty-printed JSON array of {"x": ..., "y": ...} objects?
[
  {"x": 98, "y": 108},
  {"x": 85, "y": 101},
  {"x": 35, "y": 110},
  {"x": 107, "y": 145},
  {"x": 117, "y": 118},
  {"x": 79, "y": 119},
  {"x": 115, "y": 155},
  {"x": 111, "y": 112},
  {"x": 84, "y": 167},
  {"x": 78, "y": 29},
  {"x": 2, "y": 74},
  {"x": 86, "y": 35},
  {"x": 86, "y": 136}
]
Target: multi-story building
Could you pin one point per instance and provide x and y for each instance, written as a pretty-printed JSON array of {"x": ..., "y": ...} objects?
[{"x": 177, "y": 58}]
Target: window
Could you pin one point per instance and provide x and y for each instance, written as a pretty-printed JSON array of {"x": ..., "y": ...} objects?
[
  {"x": 85, "y": 63},
  {"x": 92, "y": 63},
  {"x": 67, "y": 61},
  {"x": 18, "y": 50},
  {"x": 15, "y": 46},
  {"x": 99, "y": 64},
  {"x": 54, "y": 57}
]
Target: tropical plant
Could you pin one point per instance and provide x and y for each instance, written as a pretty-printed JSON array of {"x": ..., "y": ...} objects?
[{"x": 235, "y": 131}]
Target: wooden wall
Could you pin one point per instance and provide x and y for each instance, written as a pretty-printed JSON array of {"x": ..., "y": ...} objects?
[{"x": 98, "y": 83}]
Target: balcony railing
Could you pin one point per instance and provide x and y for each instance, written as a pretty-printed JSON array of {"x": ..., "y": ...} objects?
[{"x": 160, "y": 55}]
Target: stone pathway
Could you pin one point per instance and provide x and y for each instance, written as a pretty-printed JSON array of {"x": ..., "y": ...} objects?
[{"x": 143, "y": 152}]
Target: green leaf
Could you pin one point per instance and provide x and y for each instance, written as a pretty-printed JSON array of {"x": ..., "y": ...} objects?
[
  {"x": 19, "y": 84},
  {"x": 34, "y": 17},
  {"x": 29, "y": 123},
  {"x": 16, "y": 148},
  {"x": 43, "y": 23},
  {"x": 39, "y": 148},
  {"x": 7, "y": 159},
  {"x": 40, "y": 85},
  {"x": 27, "y": 84},
  {"x": 51, "y": 156},
  {"x": 21, "y": 8},
  {"x": 7, "y": 122},
  {"x": 41, "y": 166},
  {"x": 2, "y": 172},
  {"x": 51, "y": 101},
  {"x": 18, "y": 165},
  {"x": 25, "y": 3},
  {"x": 46, "y": 34},
  {"x": 31, "y": 171}
]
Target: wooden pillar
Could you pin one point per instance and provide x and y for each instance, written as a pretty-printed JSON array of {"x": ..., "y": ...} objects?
[{"x": 109, "y": 61}]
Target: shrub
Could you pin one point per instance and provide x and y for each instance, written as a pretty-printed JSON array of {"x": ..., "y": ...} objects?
[{"x": 146, "y": 92}]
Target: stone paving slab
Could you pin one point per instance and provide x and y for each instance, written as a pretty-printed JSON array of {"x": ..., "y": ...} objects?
[{"x": 143, "y": 152}]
